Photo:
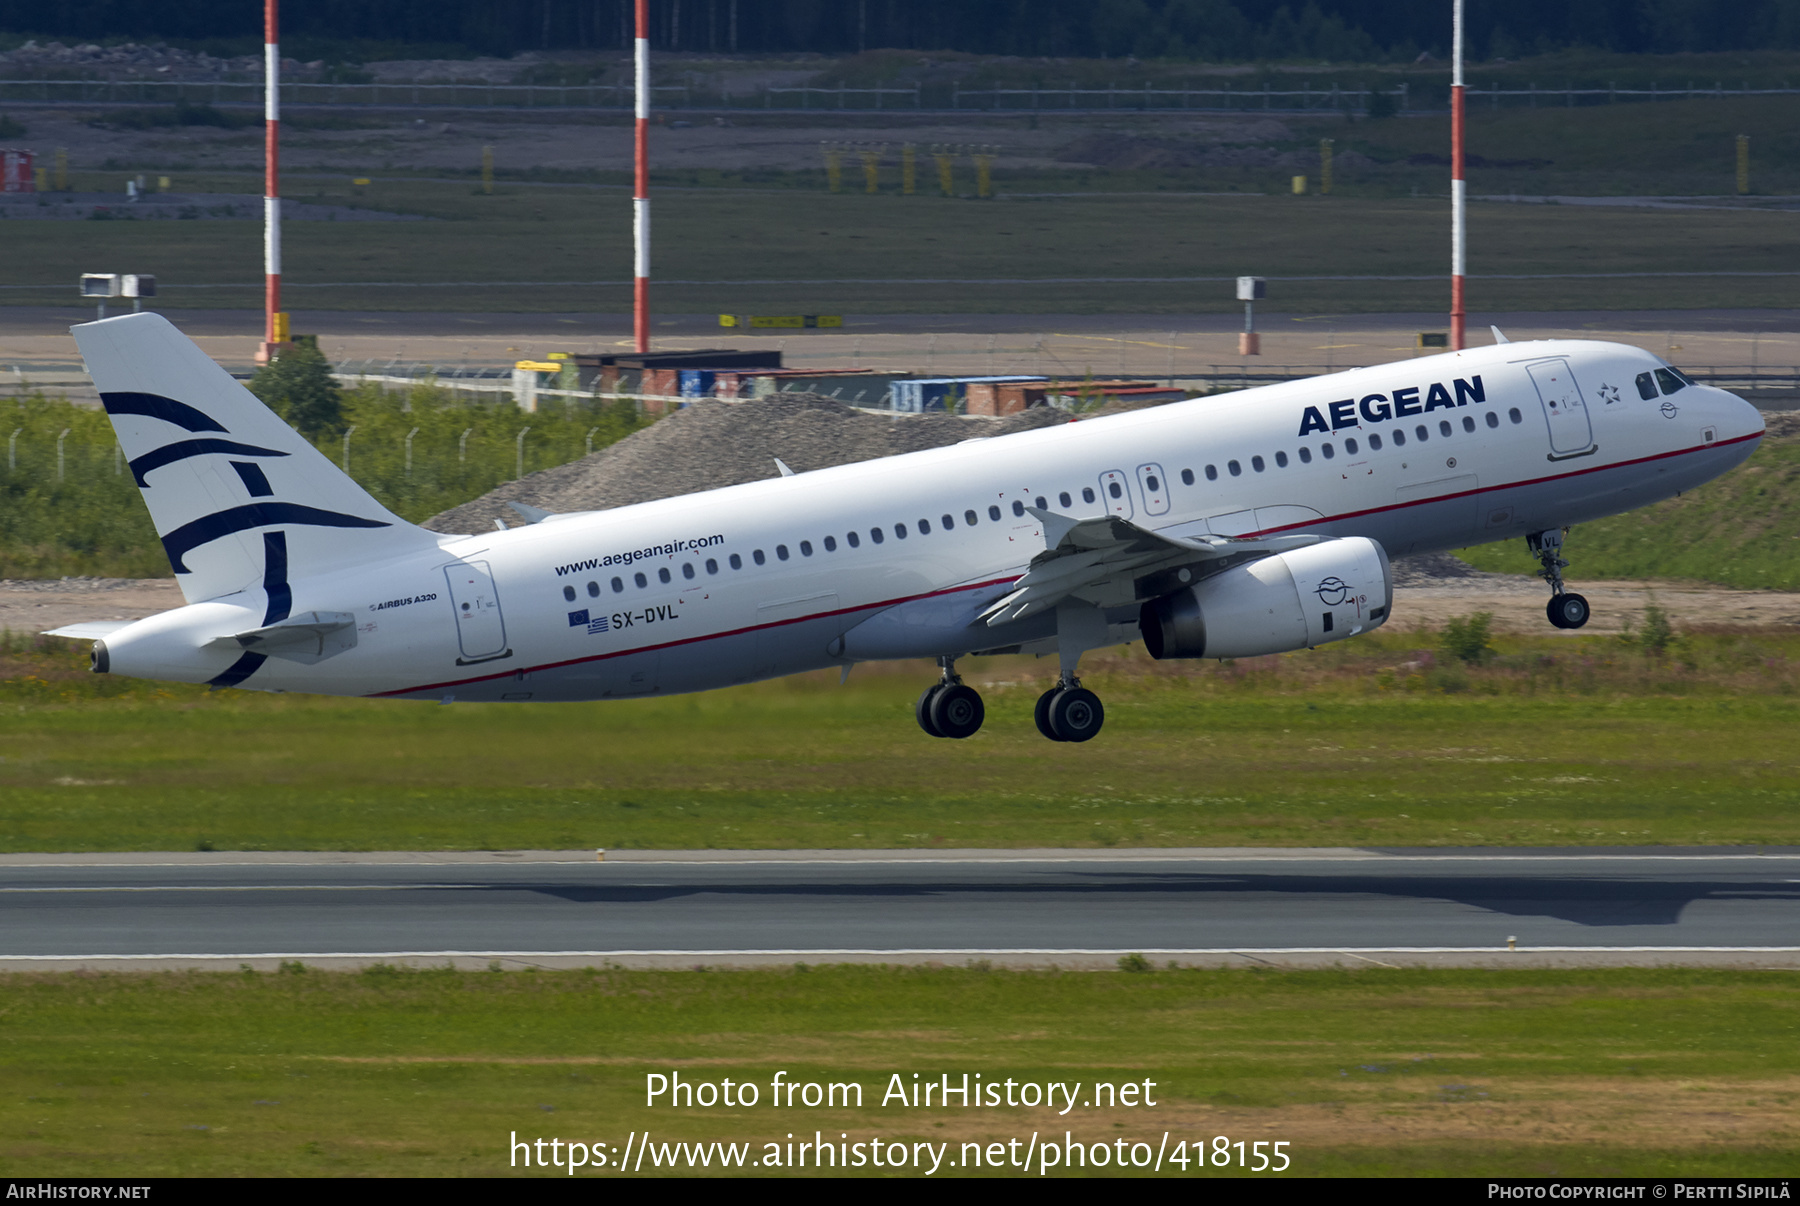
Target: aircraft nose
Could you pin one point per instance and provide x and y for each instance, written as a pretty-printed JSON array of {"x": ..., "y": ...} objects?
[{"x": 1737, "y": 417}]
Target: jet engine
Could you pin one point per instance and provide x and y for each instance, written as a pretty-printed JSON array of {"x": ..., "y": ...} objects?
[{"x": 1305, "y": 597}]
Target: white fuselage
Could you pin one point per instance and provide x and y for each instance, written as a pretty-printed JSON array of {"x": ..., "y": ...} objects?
[{"x": 897, "y": 557}]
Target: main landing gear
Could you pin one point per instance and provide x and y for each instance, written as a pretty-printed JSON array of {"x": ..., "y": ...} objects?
[
  {"x": 950, "y": 708},
  {"x": 1565, "y": 609},
  {"x": 1069, "y": 711}
]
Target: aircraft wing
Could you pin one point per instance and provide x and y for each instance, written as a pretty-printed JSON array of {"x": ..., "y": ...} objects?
[{"x": 1102, "y": 560}]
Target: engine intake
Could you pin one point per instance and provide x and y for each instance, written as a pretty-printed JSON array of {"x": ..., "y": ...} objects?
[{"x": 1294, "y": 600}]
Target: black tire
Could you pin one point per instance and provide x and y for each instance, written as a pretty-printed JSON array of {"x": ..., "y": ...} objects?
[
  {"x": 922, "y": 709},
  {"x": 1568, "y": 611},
  {"x": 957, "y": 711},
  {"x": 1043, "y": 713},
  {"x": 1077, "y": 714}
]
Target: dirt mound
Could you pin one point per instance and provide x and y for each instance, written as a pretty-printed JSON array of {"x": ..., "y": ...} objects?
[
  {"x": 1122, "y": 153},
  {"x": 712, "y": 444}
]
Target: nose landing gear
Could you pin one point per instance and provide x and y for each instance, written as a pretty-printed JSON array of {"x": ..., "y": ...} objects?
[
  {"x": 1565, "y": 609},
  {"x": 949, "y": 708}
]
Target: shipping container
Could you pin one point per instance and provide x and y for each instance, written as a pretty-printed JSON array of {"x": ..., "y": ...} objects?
[{"x": 941, "y": 393}]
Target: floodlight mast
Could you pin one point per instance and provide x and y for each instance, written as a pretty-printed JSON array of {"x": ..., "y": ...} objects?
[
  {"x": 271, "y": 181},
  {"x": 640, "y": 202},
  {"x": 1458, "y": 225}
]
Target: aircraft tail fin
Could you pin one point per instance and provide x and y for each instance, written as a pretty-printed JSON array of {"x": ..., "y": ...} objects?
[{"x": 238, "y": 497}]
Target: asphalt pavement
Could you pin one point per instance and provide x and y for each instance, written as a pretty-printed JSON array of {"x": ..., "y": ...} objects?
[{"x": 1067, "y": 908}]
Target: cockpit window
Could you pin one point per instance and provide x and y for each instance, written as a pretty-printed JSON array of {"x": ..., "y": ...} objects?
[
  {"x": 1681, "y": 376},
  {"x": 1669, "y": 381},
  {"x": 1646, "y": 384}
]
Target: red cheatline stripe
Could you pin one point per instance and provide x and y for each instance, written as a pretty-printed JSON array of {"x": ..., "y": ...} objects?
[{"x": 885, "y": 603}]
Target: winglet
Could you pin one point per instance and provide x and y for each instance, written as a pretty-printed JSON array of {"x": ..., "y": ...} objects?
[
  {"x": 1055, "y": 526},
  {"x": 529, "y": 513},
  {"x": 782, "y": 465},
  {"x": 1498, "y": 337}
]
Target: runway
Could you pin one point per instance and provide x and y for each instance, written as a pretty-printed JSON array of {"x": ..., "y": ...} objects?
[{"x": 1068, "y": 908}]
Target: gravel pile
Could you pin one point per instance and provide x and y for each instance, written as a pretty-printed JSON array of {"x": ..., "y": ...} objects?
[
  {"x": 712, "y": 444},
  {"x": 132, "y": 61}
]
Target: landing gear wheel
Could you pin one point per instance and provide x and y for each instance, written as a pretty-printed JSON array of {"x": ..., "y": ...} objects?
[
  {"x": 1076, "y": 714},
  {"x": 1567, "y": 611},
  {"x": 956, "y": 711},
  {"x": 922, "y": 709},
  {"x": 1044, "y": 703}
]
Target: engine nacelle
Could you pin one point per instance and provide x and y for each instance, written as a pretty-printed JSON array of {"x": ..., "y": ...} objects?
[{"x": 1294, "y": 600}]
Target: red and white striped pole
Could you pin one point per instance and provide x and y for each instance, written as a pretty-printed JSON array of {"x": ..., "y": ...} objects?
[
  {"x": 1458, "y": 228},
  {"x": 272, "y": 338},
  {"x": 640, "y": 201}
]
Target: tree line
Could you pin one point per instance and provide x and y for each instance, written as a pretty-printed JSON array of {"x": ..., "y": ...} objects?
[{"x": 1212, "y": 30}]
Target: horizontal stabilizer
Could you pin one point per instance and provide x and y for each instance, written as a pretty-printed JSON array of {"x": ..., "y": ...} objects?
[
  {"x": 92, "y": 630},
  {"x": 308, "y": 638}
]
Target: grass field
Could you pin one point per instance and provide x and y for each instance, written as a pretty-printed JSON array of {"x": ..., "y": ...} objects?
[
  {"x": 859, "y": 245},
  {"x": 1552, "y": 741},
  {"x": 431, "y": 1073}
]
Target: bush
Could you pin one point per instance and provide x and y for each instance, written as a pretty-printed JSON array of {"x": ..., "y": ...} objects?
[
  {"x": 298, "y": 386},
  {"x": 1468, "y": 638},
  {"x": 1658, "y": 633},
  {"x": 1133, "y": 963}
]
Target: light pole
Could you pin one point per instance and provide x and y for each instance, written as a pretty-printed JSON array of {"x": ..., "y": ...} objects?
[{"x": 1458, "y": 229}]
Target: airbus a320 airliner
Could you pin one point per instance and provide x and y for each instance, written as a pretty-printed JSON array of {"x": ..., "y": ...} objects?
[{"x": 1254, "y": 523}]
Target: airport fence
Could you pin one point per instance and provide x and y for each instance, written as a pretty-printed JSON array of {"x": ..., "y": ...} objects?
[{"x": 1265, "y": 97}]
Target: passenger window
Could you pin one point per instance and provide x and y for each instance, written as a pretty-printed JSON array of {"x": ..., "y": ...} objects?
[
  {"x": 1234, "y": 468},
  {"x": 947, "y": 522},
  {"x": 593, "y": 590},
  {"x": 1493, "y": 420},
  {"x": 687, "y": 569},
  {"x": 1281, "y": 460},
  {"x": 1042, "y": 505},
  {"x": 618, "y": 585},
  {"x": 569, "y": 593},
  {"x": 994, "y": 514},
  {"x": 1669, "y": 381},
  {"x": 1444, "y": 428},
  {"x": 831, "y": 544},
  {"x": 712, "y": 567},
  {"x": 1151, "y": 482},
  {"x": 1256, "y": 463},
  {"x": 781, "y": 551},
  {"x": 1065, "y": 499},
  {"x": 1112, "y": 488},
  {"x": 1468, "y": 423},
  {"x": 1019, "y": 507},
  {"x": 1375, "y": 443},
  {"x": 1187, "y": 477},
  {"x": 1350, "y": 447},
  {"x": 969, "y": 518},
  {"x": 641, "y": 581},
  {"x": 1087, "y": 494},
  {"x": 876, "y": 536},
  {"x": 1421, "y": 433},
  {"x": 1327, "y": 451},
  {"x": 1305, "y": 455},
  {"x": 853, "y": 539},
  {"x": 737, "y": 562},
  {"x": 806, "y": 548},
  {"x": 757, "y": 556},
  {"x": 1399, "y": 438},
  {"x": 899, "y": 531},
  {"x": 1646, "y": 384},
  {"x": 1212, "y": 473},
  {"x": 924, "y": 527},
  {"x": 1515, "y": 416},
  {"x": 662, "y": 575}
]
